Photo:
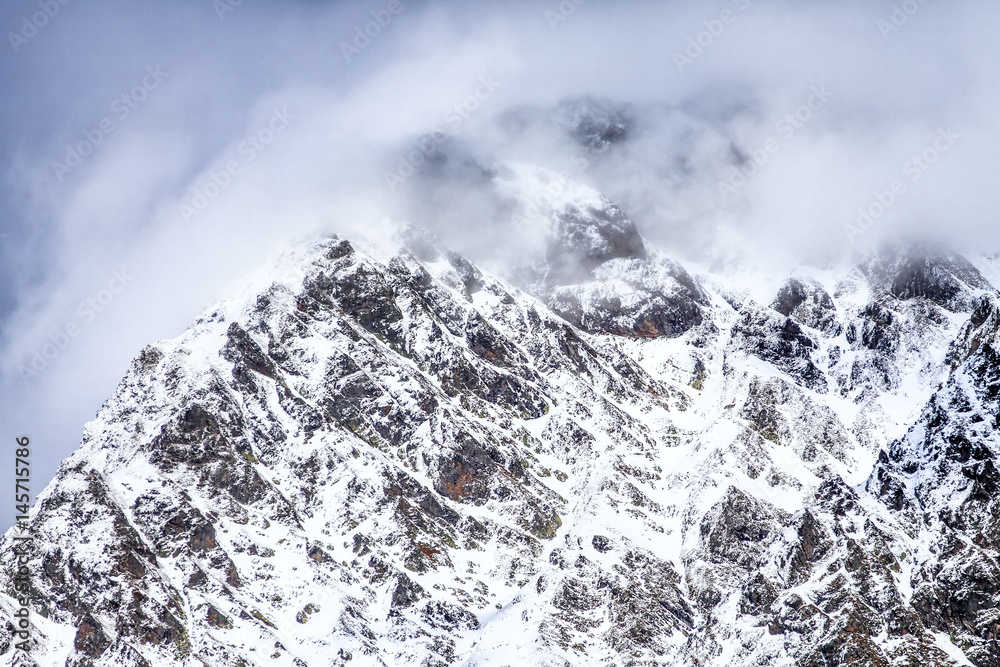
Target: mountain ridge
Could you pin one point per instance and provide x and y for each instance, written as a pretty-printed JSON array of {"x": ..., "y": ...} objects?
[{"x": 402, "y": 459}]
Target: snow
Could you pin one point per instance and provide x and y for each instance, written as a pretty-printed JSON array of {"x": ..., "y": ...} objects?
[{"x": 653, "y": 463}]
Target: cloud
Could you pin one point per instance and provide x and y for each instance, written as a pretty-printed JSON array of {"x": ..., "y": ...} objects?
[{"x": 470, "y": 87}]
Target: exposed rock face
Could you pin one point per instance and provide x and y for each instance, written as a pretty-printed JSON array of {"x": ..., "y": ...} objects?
[
  {"x": 934, "y": 274},
  {"x": 779, "y": 341},
  {"x": 595, "y": 124},
  {"x": 808, "y": 303},
  {"x": 943, "y": 476},
  {"x": 595, "y": 270},
  {"x": 320, "y": 444},
  {"x": 585, "y": 239},
  {"x": 592, "y": 124},
  {"x": 659, "y": 299},
  {"x": 389, "y": 460}
]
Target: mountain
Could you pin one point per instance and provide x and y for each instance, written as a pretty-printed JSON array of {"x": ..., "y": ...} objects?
[{"x": 596, "y": 456}]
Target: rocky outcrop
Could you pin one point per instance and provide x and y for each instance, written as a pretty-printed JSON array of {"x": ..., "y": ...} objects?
[
  {"x": 809, "y": 304},
  {"x": 781, "y": 342},
  {"x": 403, "y": 459},
  {"x": 943, "y": 476},
  {"x": 595, "y": 124},
  {"x": 935, "y": 274}
]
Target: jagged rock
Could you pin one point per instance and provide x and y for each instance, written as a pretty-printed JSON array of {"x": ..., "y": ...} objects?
[
  {"x": 217, "y": 619},
  {"x": 90, "y": 639},
  {"x": 808, "y": 303},
  {"x": 943, "y": 473},
  {"x": 936, "y": 274},
  {"x": 737, "y": 529},
  {"x": 780, "y": 341},
  {"x": 617, "y": 462},
  {"x": 595, "y": 124}
]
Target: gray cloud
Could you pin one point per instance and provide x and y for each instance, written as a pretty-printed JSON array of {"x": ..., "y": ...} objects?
[{"x": 694, "y": 114}]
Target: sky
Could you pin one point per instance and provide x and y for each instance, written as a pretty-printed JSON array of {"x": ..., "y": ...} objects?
[{"x": 152, "y": 155}]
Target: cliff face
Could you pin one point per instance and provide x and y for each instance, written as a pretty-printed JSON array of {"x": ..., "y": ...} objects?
[{"x": 395, "y": 460}]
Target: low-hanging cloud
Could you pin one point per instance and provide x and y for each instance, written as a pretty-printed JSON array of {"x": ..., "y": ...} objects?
[{"x": 789, "y": 124}]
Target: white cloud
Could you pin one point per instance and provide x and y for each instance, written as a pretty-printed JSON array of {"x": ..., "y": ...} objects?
[{"x": 352, "y": 122}]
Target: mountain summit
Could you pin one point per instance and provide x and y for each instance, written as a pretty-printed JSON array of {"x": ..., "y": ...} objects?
[{"x": 596, "y": 458}]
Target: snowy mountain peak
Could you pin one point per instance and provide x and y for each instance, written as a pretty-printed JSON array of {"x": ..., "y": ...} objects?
[{"x": 594, "y": 458}]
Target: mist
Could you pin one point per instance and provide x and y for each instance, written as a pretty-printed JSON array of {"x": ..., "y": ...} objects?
[{"x": 154, "y": 156}]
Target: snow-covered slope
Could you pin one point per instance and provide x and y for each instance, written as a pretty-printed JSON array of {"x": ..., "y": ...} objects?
[{"x": 596, "y": 458}]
